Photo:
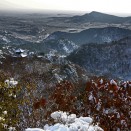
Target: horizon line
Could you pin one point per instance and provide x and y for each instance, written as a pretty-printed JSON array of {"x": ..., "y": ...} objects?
[{"x": 53, "y": 11}]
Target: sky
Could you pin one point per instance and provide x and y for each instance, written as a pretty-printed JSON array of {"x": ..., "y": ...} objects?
[{"x": 113, "y": 6}]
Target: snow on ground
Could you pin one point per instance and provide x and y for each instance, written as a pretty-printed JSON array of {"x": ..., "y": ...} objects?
[
  {"x": 34, "y": 129},
  {"x": 66, "y": 122}
]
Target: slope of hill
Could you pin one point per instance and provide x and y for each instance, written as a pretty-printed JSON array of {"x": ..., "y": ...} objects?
[
  {"x": 98, "y": 35},
  {"x": 112, "y": 60},
  {"x": 49, "y": 69}
]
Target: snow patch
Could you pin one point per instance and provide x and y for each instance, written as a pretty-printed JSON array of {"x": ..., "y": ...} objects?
[{"x": 66, "y": 122}]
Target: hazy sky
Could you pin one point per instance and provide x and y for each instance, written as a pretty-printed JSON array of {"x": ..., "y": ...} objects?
[{"x": 114, "y": 6}]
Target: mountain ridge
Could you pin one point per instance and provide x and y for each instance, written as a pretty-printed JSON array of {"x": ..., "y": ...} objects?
[
  {"x": 111, "y": 60},
  {"x": 97, "y": 35},
  {"x": 95, "y": 16}
]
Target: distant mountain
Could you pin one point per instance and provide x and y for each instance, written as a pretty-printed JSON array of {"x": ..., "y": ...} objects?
[
  {"x": 94, "y": 35},
  {"x": 111, "y": 60},
  {"x": 99, "y": 17}
]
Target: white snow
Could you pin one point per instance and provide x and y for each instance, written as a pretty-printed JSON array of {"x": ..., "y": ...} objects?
[
  {"x": 57, "y": 77},
  {"x": 56, "y": 115},
  {"x": 66, "y": 122},
  {"x": 68, "y": 46},
  {"x": 11, "y": 129},
  {"x": 5, "y": 39},
  {"x": 106, "y": 38},
  {"x": 91, "y": 97},
  {"x": 51, "y": 54},
  {"x": 101, "y": 81},
  {"x": 5, "y": 112},
  {"x": 34, "y": 129},
  {"x": 19, "y": 51},
  {"x": 23, "y": 54},
  {"x": 112, "y": 82},
  {"x": 11, "y": 82}
]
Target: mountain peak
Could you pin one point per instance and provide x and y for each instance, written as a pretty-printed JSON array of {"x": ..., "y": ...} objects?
[{"x": 94, "y": 12}]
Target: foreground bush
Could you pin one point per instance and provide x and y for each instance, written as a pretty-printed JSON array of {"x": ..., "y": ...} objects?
[
  {"x": 9, "y": 105},
  {"x": 107, "y": 102}
]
